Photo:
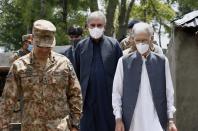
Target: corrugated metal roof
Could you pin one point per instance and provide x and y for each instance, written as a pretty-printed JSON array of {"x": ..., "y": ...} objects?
[{"x": 188, "y": 20}]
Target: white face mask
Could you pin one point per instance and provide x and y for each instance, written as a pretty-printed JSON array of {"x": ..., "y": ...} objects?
[
  {"x": 96, "y": 32},
  {"x": 142, "y": 48}
]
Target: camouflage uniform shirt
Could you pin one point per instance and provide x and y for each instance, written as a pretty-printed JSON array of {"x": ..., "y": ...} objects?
[
  {"x": 126, "y": 43},
  {"x": 51, "y": 95},
  {"x": 17, "y": 54}
]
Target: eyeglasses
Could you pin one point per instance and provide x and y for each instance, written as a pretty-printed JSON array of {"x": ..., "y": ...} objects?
[{"x": 96, "y": 25}]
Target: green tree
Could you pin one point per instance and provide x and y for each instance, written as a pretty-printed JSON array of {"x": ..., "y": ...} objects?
[
  {"x": 110, "y": 14},
  {"x": 186, "y": 6},
  {"x": 11, "y": 24},
  {"x": 154, "y": 10},
  {"x": 123, "y": 18},
  {"x": 17, "y": 16},
  {"x": 147, "y": 10}
]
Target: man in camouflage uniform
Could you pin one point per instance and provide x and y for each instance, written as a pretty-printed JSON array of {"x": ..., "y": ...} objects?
[
  {"x": 25, "y": 49},
  {"x": 46, "y": 83},
  {"x": 128, "y": 41}
]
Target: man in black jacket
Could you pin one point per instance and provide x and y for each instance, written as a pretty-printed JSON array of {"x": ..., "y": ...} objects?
[
  {"x": 75, "y": 35},
  {"x": 96, "y": 61}
]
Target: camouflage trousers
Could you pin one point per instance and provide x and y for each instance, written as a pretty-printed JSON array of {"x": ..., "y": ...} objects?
[
  {"x": 16, "y": 118},
  {"x": 53, "y": 125}
]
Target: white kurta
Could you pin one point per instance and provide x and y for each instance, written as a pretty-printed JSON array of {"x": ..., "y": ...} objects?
[{"x": 145, "y": 117}]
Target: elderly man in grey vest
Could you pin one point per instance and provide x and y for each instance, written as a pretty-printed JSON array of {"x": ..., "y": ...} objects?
[{"x": 143, "y": 95}]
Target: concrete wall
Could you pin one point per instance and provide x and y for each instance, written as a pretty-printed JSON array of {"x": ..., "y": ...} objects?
[
  {"x": 4, "y": 58},
  {"x": 183, "y": 57}
]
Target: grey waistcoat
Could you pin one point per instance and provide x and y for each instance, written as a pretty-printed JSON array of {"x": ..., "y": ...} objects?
[{"x": 132, "y": 67}]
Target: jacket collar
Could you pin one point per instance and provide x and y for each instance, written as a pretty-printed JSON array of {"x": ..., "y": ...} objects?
[{"x": 33, "y": 60}]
